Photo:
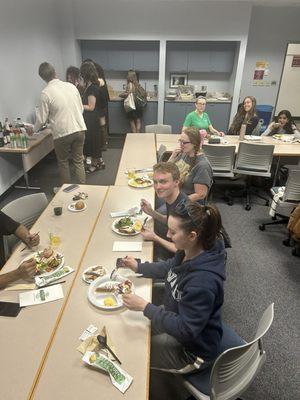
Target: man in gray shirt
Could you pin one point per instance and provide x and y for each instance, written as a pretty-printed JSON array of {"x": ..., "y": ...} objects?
[{"x": 61, "y": 105}]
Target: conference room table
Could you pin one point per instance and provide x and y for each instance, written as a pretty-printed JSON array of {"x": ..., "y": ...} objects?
[
  {"x": 139, "y": 151},
  {"x": 282, "y": 149},
  {"x": 170, "y": 141},
  {"x": 26, "y": 339},
  {"x": 64, "y": 375}
]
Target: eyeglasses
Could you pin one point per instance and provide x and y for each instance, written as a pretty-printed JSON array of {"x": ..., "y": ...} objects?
[{"x": 183, "y": 141}]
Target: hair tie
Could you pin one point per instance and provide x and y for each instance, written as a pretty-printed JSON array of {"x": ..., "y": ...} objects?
[{"x": 207, "y": 210}]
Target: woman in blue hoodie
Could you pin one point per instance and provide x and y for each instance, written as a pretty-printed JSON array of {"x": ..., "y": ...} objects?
[{"x": 187, "y": 328}]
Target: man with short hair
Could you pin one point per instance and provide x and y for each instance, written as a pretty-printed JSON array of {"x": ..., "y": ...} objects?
[
  {"x": 166, "y": 177},
  {"x": 61, "y": 105}
]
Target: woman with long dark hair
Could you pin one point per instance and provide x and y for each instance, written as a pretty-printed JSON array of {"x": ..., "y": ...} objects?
[
  {"x": 187, "y": 328},
  {"x": 93, "y": 100},
  {"x": 283, "y": 124},
  {"x": 196, "y": 175},
  {"x": 246, "y": 115}
]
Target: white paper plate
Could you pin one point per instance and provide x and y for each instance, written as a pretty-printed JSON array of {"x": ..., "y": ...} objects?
[
  {"x": 71, "y": 207},
  {"x": 90, "y": 268},
  {"x": 253, "y": 138},
  {"x": 62, "y": 258},
  {"x": 97, "y": 299},
  {"x": 125, "y": 234},
  {"x": 132, "y": 183},
  {"x": 223, "y": 98}
]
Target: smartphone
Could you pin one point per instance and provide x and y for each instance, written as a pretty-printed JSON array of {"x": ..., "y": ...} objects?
[
  {"x": 8, "y": 309},
  {"x": 70, "y": 188},
  {"x": 120, "y": 263}
]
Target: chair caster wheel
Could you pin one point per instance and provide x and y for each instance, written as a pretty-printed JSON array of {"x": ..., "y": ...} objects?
[
  {"x": 286, "y": 242},
  {"x": 248, "y": 207},
  {"x": 262, "y": 227},
  {"x": 230, "y": 202},
  {"x": 274, "y": 218},
  {"x": 267, "y": 203}
]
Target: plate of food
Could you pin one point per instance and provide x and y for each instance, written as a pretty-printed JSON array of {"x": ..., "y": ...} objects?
[
  {"x": 92, "y": 273},
  {"x": 127, "y": 226},
  {"x": 106, "y": 293},
  {"x": 140, "y": 182},
  {"x": 77, "y": 206},
  {"x": 47, "y": 261}
]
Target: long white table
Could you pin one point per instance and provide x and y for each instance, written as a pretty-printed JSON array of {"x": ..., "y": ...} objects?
[
  {"x": 64, "y": 375},
  {"x": 26, "y": 339},
  {"x": 139, "y": 152}
]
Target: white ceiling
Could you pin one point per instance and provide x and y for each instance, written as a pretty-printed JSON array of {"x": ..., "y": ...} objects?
[{"x": 275, "y": 3}]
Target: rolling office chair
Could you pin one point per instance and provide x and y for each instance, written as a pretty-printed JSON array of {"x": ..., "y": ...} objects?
[
  {"x": 289, "y": 201},
  {"x": 253, "y": 160},
  {"x": 25, "y": 210},
  {"x": 158, "y": 129},
  {"x": 235, "y": 369}
]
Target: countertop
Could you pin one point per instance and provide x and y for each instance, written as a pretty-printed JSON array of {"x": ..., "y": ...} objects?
[{"x": 154, "y": 100}]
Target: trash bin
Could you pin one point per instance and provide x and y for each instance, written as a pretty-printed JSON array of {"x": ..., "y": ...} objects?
[{"x": 264, "y": 113}]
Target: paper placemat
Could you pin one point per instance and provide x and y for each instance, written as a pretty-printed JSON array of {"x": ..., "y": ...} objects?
[
  {"x": 127, "y": 246},
  {"x": 41, "y": 296}
]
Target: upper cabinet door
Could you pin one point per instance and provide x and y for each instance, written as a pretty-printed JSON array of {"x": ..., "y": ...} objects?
[
  {"x": 222, "y": 60},
  {"x": 177, "y": 61},
  {"x": 145, "y": 60},
  {"x": 120, "y": 60},
  {"x": 199, "y": 61}
]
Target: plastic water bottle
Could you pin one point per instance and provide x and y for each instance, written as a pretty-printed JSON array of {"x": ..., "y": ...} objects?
[{"x": 243, "y": 132}]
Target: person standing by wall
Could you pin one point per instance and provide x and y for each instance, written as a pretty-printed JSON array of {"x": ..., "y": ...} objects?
[
  {"x": 93, "y": 104},
  {"x": 61, "y": 105}
]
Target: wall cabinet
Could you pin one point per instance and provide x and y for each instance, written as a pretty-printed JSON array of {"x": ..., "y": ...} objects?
[
  {"x": 175, "y": 114},
  {"x": 177, "y": 61},
  {"x": 200, "y": 56},
  {"x": 122, "y": 55},
  {"x": 118, "y": 121}
]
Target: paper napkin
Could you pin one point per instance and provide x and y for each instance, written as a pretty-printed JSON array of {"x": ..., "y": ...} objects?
[
  {"x": 41, "y": 296},
  {"x": 127, "y": 246}
]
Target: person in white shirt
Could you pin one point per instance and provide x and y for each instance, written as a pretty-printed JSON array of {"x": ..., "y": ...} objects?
[{"x": 61, "y": 106}]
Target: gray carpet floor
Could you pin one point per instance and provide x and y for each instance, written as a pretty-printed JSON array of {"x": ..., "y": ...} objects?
[{"x": 260, "y": 270}]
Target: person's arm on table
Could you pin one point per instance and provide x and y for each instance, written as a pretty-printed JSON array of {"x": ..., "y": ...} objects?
[
  {"x": 215, "y": 131},
  {"x": 147, "y": 208},
  {"x": 25, "y": 271},
  {"x": 157, "y": 270},
  {"x": 152, "y": 236}
]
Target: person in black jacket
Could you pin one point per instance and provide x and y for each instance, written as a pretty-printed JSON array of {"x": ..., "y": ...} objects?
[
  {"x": 187, "y": 328},
  {"x": 247, "y": 115}
]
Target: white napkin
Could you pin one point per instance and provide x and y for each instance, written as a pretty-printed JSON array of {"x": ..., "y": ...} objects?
[
  {"x": 127, "y": 246},
  {"x": 123, "y": 213},
  {"x": 36, "y": 297}
]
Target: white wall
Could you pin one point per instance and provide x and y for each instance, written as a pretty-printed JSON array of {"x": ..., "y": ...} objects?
[
  {"x": 271, "y": 28},
  {"x": 30, "y": 32},
  {"x": 165, "y": 20}
]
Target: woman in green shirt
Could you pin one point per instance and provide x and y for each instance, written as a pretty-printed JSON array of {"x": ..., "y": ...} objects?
[{"x": 200, "y": 119}]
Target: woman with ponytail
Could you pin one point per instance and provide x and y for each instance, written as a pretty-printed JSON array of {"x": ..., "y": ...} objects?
[
  {"x": 187, "y": 328},
  {"x": 196, "y": 174}
]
